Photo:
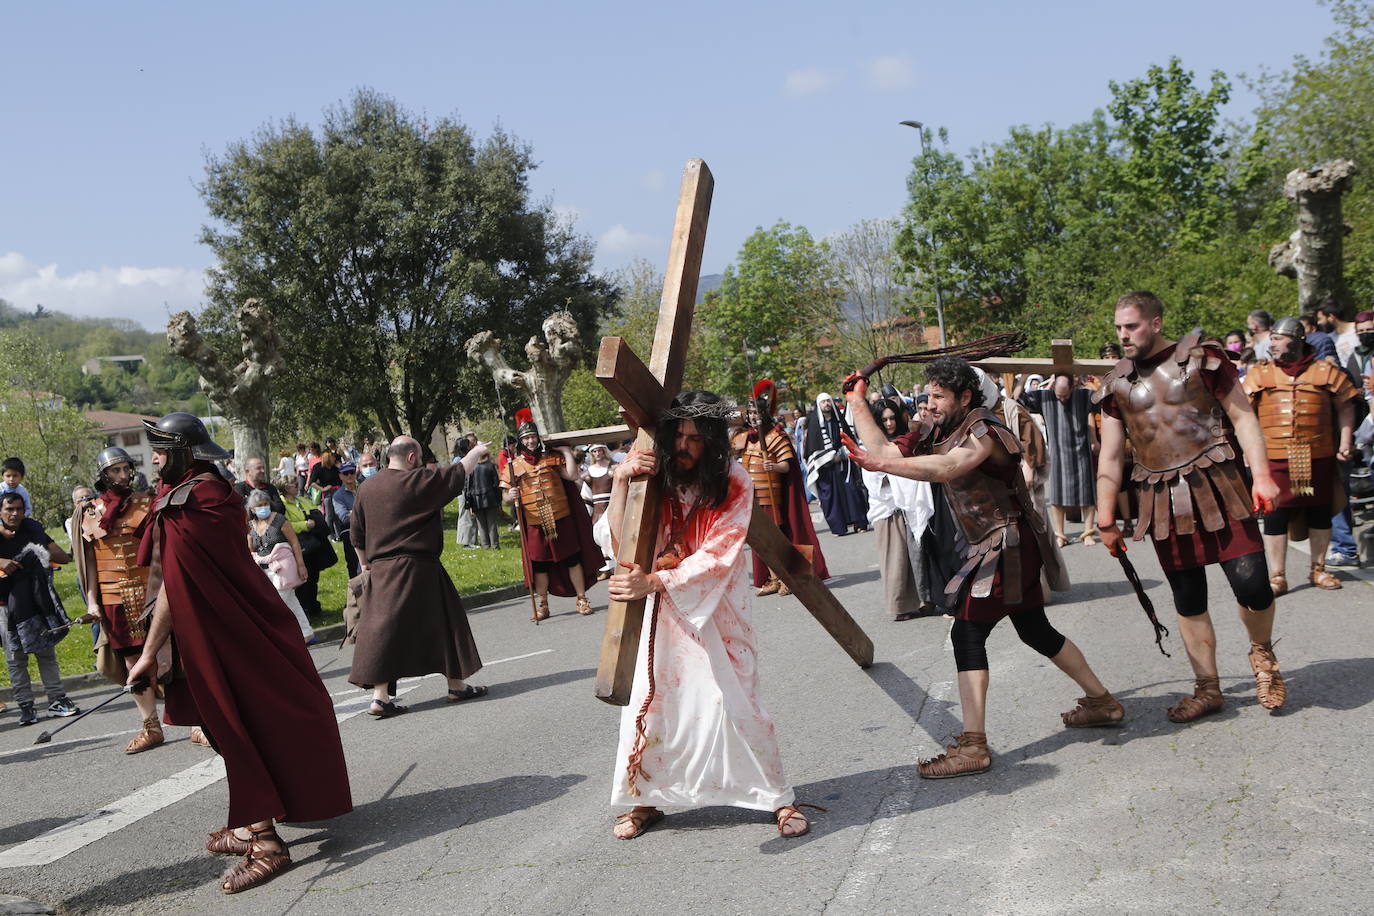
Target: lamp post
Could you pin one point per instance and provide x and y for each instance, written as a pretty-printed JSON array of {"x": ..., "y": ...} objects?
[{"x": 939, "y": 297}]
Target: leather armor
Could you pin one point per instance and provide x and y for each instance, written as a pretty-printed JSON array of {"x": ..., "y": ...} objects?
[
  {"x": 771, "y": 446},
  {"x": 1297, "y": 411},
  {"x": 540, "y": 491},
  {"x": 988, "y": 510},
  {"x": 120, "y": 580},
  {"x": 1185, "y": 464}
]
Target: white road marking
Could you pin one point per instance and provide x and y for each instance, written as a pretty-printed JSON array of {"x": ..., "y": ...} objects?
[
  {"x": 68, "y": 838},
  {"x": 92, "y": 739}
]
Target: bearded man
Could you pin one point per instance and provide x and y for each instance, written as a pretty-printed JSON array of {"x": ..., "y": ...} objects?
[
  {"x": 1295, "y": 397},
  {"x": 694, "y": 732},
  {"x": 1187, "y": 419},
  {"x": 560, "y": 553},
  {"x": 978, "y": 459},
  {"x": 239, "y": 653},
  {"x": 767, "y": 454},
  {"x": 105, "y": 545}
]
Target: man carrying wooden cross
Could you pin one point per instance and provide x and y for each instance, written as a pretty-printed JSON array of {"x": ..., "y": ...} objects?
[
  {"x": 695, "y": 732},
  {"x": 970, "y": 451}
]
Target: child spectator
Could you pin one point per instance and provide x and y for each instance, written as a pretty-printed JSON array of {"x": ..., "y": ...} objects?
[{"x": 12, "y": 481}]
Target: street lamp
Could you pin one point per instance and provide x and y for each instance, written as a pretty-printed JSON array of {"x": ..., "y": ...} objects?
[{"x": 939, "y": 297}]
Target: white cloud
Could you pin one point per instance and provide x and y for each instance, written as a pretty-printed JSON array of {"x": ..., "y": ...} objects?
[
  {"x": 144, "y": 294},
  {"x": 810, "y": 81},
  {"x": 620, "y": 242},
  {"x": 886, "y": 73}
]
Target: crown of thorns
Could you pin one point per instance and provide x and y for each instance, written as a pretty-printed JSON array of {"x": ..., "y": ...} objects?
[{"x": 721, "y": 410}]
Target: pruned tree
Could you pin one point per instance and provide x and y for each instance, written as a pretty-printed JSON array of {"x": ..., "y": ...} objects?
[
  {"x": 1313, "y": 253},
  {"x": 550, "y": 364},
  {"x": 242, "y": 392}
]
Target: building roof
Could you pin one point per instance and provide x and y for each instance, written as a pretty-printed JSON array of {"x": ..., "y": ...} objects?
[{"x": 110, "y": 420}]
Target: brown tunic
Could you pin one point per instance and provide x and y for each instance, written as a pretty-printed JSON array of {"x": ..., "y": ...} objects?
[{"x": 412, "y": 621}]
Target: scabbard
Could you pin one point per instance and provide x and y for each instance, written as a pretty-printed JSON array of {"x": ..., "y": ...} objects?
[{"x": 1161, "y": 630}]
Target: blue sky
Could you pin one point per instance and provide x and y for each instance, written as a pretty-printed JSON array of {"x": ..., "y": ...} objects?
[{"x": 109, "y": 108}]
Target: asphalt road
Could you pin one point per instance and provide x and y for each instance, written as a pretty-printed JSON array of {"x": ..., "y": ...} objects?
[{"x": 501, "y": 805}]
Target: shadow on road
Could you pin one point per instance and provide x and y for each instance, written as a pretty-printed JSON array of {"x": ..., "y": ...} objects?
[
  {"x": 861, "y": 799},
  {"x": 20, "y": 833},
  {"x": 933, "y": 716},
  {"x": 846, "y": 579},
  {"x": 131, "y": 887},
  {"x": 506, "y": 689},
  {"x": 1096, "y": 591},
  {"x": 1334, "y": 683}
]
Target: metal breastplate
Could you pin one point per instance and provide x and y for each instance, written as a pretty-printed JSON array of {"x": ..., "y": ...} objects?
[
  {"x": 119, "y": 578},
  {"x": 981, "y": 503},
  {"x": 542, "y": 495},
  {"x": 1294, "y": 412},
  {"x": 767, "y": 484}
]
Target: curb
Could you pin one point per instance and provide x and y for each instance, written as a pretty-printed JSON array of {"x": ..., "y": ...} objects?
[
  {"x": 334, "y": 631},
  {"x": 22, "y": 906}
]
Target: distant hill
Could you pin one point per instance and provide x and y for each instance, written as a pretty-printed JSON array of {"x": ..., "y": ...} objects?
[{"x": 707, "y": 283}]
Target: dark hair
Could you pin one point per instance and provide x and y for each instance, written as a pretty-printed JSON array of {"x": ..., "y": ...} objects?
[
  {"x": 11, "y": 496},
  {"x": 894, "y": 405},
  {"x": 1236, "y": 331},
  {"x": 1143, "y": 301},
  {"x": 13, "y": 464},
  {"x": 1262, "y": 318},
  {"x": 956, "y": 375},
  {"x": 1331, "y": 307},
  {"x": 1113, "y": 348},
  {"x": 712, "y": 472}
]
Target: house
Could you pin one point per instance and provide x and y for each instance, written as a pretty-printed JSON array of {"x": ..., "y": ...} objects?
[
  {"x": 126, "y": 431},
  {"x": 98, "y": 364}
]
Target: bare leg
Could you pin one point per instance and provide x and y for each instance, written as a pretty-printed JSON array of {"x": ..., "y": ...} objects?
[
  {"x": 1258, "y": 624},
  {"x": 1089, "y": 523},
  {"x": 1319, "y": 539},
  {"x": 973, "y": 699},
  {"x": 1200, "y": 639},
  {"x": 456, "y": 683},
  {"x": 1276, "y": 551},
  {"x": 1057, "y": 520},
  {"x": 541, "y": 584},
  {"x": 578, "y": 580},
  {"x": 1070, "y": 660},
  {"x": 146, "y": 702},
  {"x": 380, "y": 694}
]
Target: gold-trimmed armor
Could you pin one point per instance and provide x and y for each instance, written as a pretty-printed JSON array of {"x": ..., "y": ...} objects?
[
  {"x": 1185, "y": 465},
  {"x": 539, "y": 490},
  {"x": 120, "y": 580},
  {"x": 773, "y": 446},
  {"x": 1296, "y": 414}
]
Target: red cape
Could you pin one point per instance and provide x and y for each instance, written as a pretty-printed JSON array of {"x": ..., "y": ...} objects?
[
  {"x": 795, "y": 522},
  {"x": 248, "y": 678}
]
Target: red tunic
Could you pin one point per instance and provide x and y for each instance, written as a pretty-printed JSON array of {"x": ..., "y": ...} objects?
[
  {"x": 1202, "y": 548},
  {"x": 574, "y": 546},
  {"x": 248, "y": 676}
]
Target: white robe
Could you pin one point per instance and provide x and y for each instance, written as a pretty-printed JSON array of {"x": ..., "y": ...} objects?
[{"x": 710, "y": 741}]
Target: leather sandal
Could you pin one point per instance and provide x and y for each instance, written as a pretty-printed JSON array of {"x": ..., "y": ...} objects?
[
  {"x": 1321, "y": 578},
  {"x": 258, "y": 865},
  {"x": 388, "y": 710},
  {"x": 150, "y": 736},
  {"x": 770, "y": 587},
  {"x": 1092, "y": 712},
  {"x": 223, "y": 843},
  {"x": 198, "y": 736},
  {"x": 1269, "y": 686},
  {"x": 790, "y": 814},
  {"x": 967, "y": 756},
  {"x": 584, "y": 607},
  {"x": 469, "y": 692},
  {"x": 541, "y": 608},
  {"x": 1206, "y": 699},
  {"x": 641, "y": 820},
  {"x": 783, "y": 590},
  {"x": 1279, "y": 583}
]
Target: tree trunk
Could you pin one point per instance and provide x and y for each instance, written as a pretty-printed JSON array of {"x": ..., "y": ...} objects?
[
  {"x": 1313, "y": 253},
  {"x": 542, "y": 384},
  {"x": 250, "y": 441}
]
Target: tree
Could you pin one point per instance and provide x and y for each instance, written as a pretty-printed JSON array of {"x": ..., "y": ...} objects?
[
  {"x": 774, "y": 303},
  {"x": 379, "y": 246},
  {"x": 57, "y": 444},
  {"x": 875, "y": 321}
]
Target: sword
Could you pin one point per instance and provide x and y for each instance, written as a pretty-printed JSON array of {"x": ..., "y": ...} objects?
[{"x": 1161, "y": 630}]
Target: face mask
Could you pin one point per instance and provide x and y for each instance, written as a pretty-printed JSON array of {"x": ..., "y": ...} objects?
[
  {"x": 367, "y": 472},
  {"x": 1234, "y": 346},
  {"x": 1367, "y": 340},
  {"x": 262, "y": 511}
]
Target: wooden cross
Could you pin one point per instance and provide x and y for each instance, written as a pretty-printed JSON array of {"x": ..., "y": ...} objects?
[
  {"x": 644, "y": 392},
  {"x": 1061, "y": 362}
]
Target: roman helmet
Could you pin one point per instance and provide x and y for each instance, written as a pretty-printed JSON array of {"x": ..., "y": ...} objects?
[
  {"x": 109, "y": 457},
  {"x": 524, "y": 424},
  {"x": 1290, "y": 327},
  {"x": 762, "y": 403}
]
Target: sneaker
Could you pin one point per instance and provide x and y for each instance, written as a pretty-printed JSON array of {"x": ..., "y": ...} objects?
[
  {"x": 1343, "y": 560},
  {"x": 63, "y": 707},
  {"x": 27, "y": 714}
]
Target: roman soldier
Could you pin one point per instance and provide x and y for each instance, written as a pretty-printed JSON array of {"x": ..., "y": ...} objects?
[
  {"x": 1190, "y": 422},
  {"x": 557, "y": 547},
  {"x": 767, "y": 454},
  {"x": 105, "y": 545},
  {"x": 1296, "y": 397}
]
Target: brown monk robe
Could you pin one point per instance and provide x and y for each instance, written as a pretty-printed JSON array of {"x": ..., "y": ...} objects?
[{"x": 412, "y": 621}]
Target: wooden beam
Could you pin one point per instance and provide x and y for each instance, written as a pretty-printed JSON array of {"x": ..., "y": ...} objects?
[
  {"x": 1021, "y": 364},
  {"x": 642, "y": 397},
  {"x": 601, "y": 435},
  {"x": 624, "y": 620},
  {"x": 773, "y": 547}
]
